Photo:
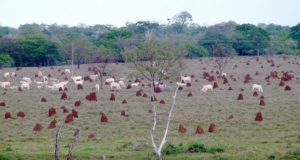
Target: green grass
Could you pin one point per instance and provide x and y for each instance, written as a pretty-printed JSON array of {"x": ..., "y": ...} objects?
[{"x": 129, "y": 137}]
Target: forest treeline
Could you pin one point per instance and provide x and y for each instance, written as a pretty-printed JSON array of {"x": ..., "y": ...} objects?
[{"x": 43, "y": 44}]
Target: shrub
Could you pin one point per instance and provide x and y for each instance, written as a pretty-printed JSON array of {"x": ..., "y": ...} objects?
[
  {"x": 213, "y": 150},
  {"x": 195, "y": 148},
  {"x": 170, "y": 149}
]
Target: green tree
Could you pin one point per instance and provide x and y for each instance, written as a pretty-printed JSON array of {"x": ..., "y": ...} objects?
[
  {"x": 250, "y": 40},
  {"x": 282, "y": 44},
  {"x": 181, "y": 20},
  {"x": 5, "y": 59},
  {"x": 295, "y": 34},
  {"x": 4, "y": 31}
]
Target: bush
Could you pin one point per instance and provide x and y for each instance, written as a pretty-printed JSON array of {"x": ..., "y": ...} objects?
[
  {"x": 8, "y": 149},
  {"x": 5, "y": 59},
  {"x": 3, "y": 157},
  {"x": 213, "y": 150},
  {"x": 195, "y": 148},
  {"x": 170, "y": 149}
]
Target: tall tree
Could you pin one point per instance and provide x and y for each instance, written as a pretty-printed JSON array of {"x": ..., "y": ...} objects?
[
  {"x": 295, "y": 33},
  {"x": 251, "y": 40},
  {"x": 181, "y": 20}
]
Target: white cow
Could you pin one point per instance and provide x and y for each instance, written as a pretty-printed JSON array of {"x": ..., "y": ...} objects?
[
  {"x": 79, "y": 82},
  {"x": 25, "y": 85},
  {"x": 26, "y": 79},
  {"x": 180, "y": 84},
  {"x": 4, "y": 84},
  {"x": 13, "y": 74},
  {"x": 40, "y": 74},
  {"x": 76, "y": 78},
  {"x": 187, "y": 79},
  {"x": 6, "y": 75},
  {"x": 224, "y": 74},
  {"x": 67, "y": 71},
  {"x": 162, "y": 86},
  {"x": 122, "y": 84},
  {"x": 93, "y": 77},
  {"x": 207, "y": 87},
  {"x": 97, "y": 87},
  {"x": 135, "y": 84},
  {"x": 110, "y": 80},
  {"x": 115, "y": 85},
  {"x": 257, "y": 87}
]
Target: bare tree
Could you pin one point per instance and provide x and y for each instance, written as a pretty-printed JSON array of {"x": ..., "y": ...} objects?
[
  {"x": 57, "y": 142},
  {"x": 156, "y": 61},
  {"x": 73, "y": 144},
  {"x": 221, "y": 53}
]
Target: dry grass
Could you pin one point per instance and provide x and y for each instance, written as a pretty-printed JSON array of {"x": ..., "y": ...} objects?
[{"x": 241, "y": 137}]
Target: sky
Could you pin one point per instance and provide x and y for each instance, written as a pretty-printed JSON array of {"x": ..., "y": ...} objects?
[{"x": 117, "y": 12}]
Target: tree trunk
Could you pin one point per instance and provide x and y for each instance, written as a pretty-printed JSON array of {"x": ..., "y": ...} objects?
[
  {"x": 56, "y": 143},
  {"x": 101, "y": 81},
  {"x": 78, "y": 64}
]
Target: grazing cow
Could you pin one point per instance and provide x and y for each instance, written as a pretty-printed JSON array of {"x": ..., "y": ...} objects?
[
  {"x": 135, "y": 84},
  {"x": 56, "y": 87},
  {"x": 76, "y": 78},
  {"x": 13, "y": 74},
  {"x": 162, "y": 86},
  {"x": 257, "y": 87},
  {"x": 13, "y": 87},
  {"x": 67, "y": 71},
  {"x": 224, "y": 74},
  {"x": 26, "y": 80},
  {"x": 186, "y": 79},
  {"x": 25, "y": 85},
  {"x": 6, "y": 75},
  {"x": 4, "y": 84},
  {"x": 115, "y": 85},
  {"x": 40, "y": 74},
  {"x": 93, "y": 77},
  {"x": 79, "y": 82},
  {"x": 122, "y": 84},
  {"x": 180, "y": 84},
  {"x": 207, "y": 87},
  {"x": 110, "y": 80},
  {"x": 97, "y": 87}
]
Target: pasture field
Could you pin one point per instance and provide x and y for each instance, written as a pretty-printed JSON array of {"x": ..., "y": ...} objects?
[{"x": 241, "y": 138}]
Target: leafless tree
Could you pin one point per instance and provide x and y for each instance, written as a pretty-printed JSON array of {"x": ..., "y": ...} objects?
[
  {"x": 57, "y": 142},
  {"x": 77, "y": 136},
  {"x": 221, "y": 54}
]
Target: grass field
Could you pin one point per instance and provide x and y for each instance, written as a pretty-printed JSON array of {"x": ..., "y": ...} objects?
[{"x": 276, "y": 137}]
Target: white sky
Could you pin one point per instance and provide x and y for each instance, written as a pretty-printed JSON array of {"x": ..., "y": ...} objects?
[{"x": 118, "y": 12}]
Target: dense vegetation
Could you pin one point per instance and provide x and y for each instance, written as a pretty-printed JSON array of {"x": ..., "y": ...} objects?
[{"x": 41, "y": 44}]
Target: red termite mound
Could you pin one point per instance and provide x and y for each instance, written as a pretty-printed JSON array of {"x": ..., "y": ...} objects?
[
  {"x": 64, "y": 96},
  {"x": 182, "y": 129},
  {"x": 138, "y": 93},
  {"x": 2, "y": 104},
  {"x": 281, "y": 84},
  {"x": 79, "y": 87},
  {"x": 65, "y": 110},
  {"x": 190, "y": 94},
  {"x": 145, "y": 95},
  {"x": 21, "y": 114},
  {"x": 77, "y": 103},
  {"x": 211, "y": 128},
  {"x": 128, "y": 86},
  {"x": 7, "y": 115},
  {"x": 230, "y": 89},
  {"x": 199, "y": 130},
  {"x": 69, "y": 118},
  {"x": 124, "y": 101},
  {"x": 287, "y": 88},
  {"x": 216, "y": 85},
  {"x": 66, "y": 78},
  {"x": 262, "y": 102},
  {"x": 52, "y": 112},
  {"x": 91, "y": 97},
  {"x": 74, "y": 113},
  {"x": 189, "y": 84},
  {"x": 240, "y": 97},
  {"x": 258, "y": 117},
  {"x": 230, "y": 117},
  {"x": 60, "y": 89},
  {"x": 255, "y": 94},
  {"x": 225, "y": 80},
  {"x": 19, "y": 89},
  {"x": 49, "y": 75},
  {"x": 123, "y": 113},
  {"x": 66, "y": 89},
  {"x": 43, "y": 99},
  {"x": 261, "y": 97},
  {"x": 162, "y": 101},
  {"x": 52, "y": 124},
  {"x": 180, "y": 88},
  {"x": 37, "y": 127},
  {"x": 103, "y": 118},
  {"x": 157, "y": 90},
  {"x": 150, "y": 111},
  {"x": 112, "y": 97},
  {"x": 92, "y": 135}
]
